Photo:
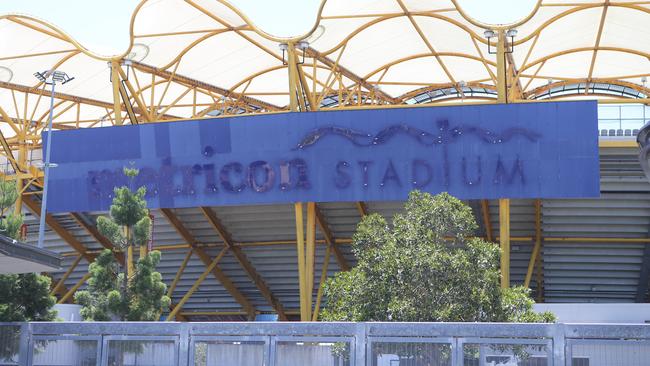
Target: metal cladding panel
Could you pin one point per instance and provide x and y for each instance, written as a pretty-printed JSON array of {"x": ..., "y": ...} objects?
[
  {"x": 278, "y": 265},
  {"x": 522, "y": 150},
  {"x": 579, "y": 271},
  {"x": 259, "y": 222},
  {"x": 342, "y": 218}
]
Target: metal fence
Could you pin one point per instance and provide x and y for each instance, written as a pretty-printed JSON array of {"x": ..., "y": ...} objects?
[{"x": 323, "y": 344}]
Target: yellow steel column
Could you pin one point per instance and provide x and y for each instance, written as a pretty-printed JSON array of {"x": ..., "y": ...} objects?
[
  {"x": 22, "y": 159},
  {"x": 538, "y": 243},
  {"x": 303, "y": 276},
  {"x": 323, "y": 278},
  {"x": 293, "y": 76},
  {"x": 504, "y": 204},
  {"x": 504, "y": 239},
  {"x": 115, "y": 80},
  {"x": 311, "y": 251},
  {"x": 502, "y": 86},
  {"x": 300, "y": 250}
]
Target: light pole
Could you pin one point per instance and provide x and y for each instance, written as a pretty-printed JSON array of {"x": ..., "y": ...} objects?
[{"x": 49, "y": 77}]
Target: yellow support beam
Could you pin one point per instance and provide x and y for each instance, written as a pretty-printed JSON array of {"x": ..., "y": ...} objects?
[
  {"x": 293, "y": 76},
  {"x": 179, "y": 273},
  {"x": 74, "y": 289},
  {"x": 35, "y": 208},
  {"x": 323, "y": 278},
  {"x": 196, "y": 284},
  {"x": 310, "y": 254},
  {"x": 362, "y": 208},
  {"x": 248, "y": 267},
  {"x": 504, "y": 239},
  {"x": 300, "y": 250},
  {"x": 225, "y": 281},
  {"x": 331, "y": 242},
  {"x": 142, "y": 107},
  {"x": 501, "y": 68},
  {"x": 59, "y": 284},
  {"x": 115, "y": 80},
  {"x": 538, "y": 243},
  {"x": 485, "y": 209}
]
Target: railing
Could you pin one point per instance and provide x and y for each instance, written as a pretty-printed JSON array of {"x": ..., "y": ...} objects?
[
  {"x": 622, "y": 120},
  {"x": 323, "y": 344}
]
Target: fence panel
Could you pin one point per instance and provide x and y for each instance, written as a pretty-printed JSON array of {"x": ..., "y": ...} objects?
[
  {"x": 65, "y": 351},
  {"x": 390, "y": 351},
  {"x": 9, "y": 344},
  {"x": 323, "y": 344},
  {"x": 227, "y": 351},
  {"x": 315, "y": 351},
  {"x": 140, "y": 351},
  {"x": 596, "y": 352}
]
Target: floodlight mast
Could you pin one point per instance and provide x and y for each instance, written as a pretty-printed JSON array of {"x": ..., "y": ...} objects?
[{"x": 49, "y": 77}]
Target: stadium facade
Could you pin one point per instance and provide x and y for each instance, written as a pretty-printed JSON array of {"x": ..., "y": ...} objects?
[{"x": 204, "y": 62}]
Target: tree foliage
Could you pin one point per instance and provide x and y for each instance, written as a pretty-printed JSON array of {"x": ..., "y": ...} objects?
[
  {"x": 145, "y": 293},
  {"x": 23, "y": 297},
  {"x": 425, "y": 267},
  {"x": 112, "y": 293}
]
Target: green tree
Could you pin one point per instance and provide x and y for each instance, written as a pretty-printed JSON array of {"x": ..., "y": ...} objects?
[
  {"x": 425, "y": 267},
  {"x": 23, "y": 297},
  {"x": 135, "y": 294}
]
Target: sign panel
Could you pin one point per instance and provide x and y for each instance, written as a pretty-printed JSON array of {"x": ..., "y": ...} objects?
[{"x": 529, "y": 150}]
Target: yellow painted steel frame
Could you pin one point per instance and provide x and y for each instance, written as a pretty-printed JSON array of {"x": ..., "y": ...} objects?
[
  {"x": 538, "y": 244},
  {"x": 196, "y": 285},
  {"x": 179, "y": 273},
  {"x": 74, "y": 289},
  {"x": 59, "y": 285},
  {"x": 504, "y": 239},
  {"x": 300, "y": 250}
]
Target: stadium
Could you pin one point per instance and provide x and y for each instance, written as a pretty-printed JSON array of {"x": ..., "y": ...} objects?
[{"x": 204, "y": 60}]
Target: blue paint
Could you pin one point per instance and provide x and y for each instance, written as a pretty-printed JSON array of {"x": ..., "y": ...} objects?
[{"x": 531, "y": 150}]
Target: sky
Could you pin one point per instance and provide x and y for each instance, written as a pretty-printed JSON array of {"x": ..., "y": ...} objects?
[{"x": 103, "y": 26}]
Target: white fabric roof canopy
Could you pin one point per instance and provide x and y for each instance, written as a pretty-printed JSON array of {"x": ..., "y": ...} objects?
[{"x": 198, "y": 58}]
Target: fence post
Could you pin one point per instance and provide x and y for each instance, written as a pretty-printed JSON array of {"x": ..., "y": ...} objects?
[
  {"x": 184, "y": 345},
  {"x": 23, "y": 350},
  {"x": 361, "y": 345},
  {"x": 559, "y": 345},
  {"x": 456, "y": 352}
]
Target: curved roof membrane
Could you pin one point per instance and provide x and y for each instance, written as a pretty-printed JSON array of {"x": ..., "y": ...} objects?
[{"x": 197, "y": 58}]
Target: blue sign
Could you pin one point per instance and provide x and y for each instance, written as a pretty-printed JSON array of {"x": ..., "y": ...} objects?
[{"x": 529, "y": 150}]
